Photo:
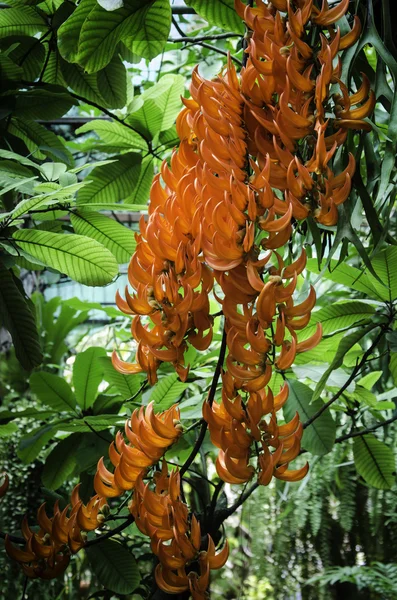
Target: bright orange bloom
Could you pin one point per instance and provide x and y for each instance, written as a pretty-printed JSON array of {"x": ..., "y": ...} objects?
[
  {"x": 148, "y": 435},
  {"x": 175, "y": 535}
]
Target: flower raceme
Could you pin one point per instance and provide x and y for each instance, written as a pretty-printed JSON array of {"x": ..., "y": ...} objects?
[
  {"x": 148, "y": 435},
  {"x": 255, "y": 155},
  {"x": 175, "y": 537},
  {"x": 47, "y": 552}
]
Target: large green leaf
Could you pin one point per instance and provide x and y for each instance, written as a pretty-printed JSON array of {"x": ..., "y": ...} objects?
[
  {"x": 346, "y": 343},
  {"x": 23, "y": 20},
  {"x": 40, "y": 141},
  {"x": 52, "y": 390},
  {"x": 115, "y": 134},
  {"x": 120, "y": 240},
  {"x": 31, "y": 444},
  {"x": 114, "y": 182},
  {"x": 83, "y": 259},
  {"x": 393, "y": 367},
  {"x": 112, "y": 81},
  {"x": 127, "y": 385},
  {"x": 345, "y": 275},
  {"x": 152, "y": 31},
  {"x": 43, "y": 104},
  {"x": 142, "y": 26},
  {"x": 156, "y": 109},
  {"x": 140, "y": 193},
  {"x": 18, "y": 319},
  {"x": 87, "y": 375},
  {"x": 69, "y": 32},
  {"x": 338, "y": 316},
  {"x": 30, "y": 55},
  {"x": 60, "y": 462},
  {"x": 93, "y": 423},
  {"x": 374, "y": 461},
  {"x": 385, "y": 265},
  {"x": 83, "y": 84},
  {"x": 319, "y": 437},
  {"x": 167, "y": 391},
  {"x": 220, "y": 13},
  {"x": 115, "y": 566}
]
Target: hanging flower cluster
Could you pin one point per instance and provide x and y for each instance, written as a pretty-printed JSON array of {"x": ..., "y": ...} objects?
[
  {"x": 255, "y": 157},
  {"x": 175, "y": 539},
  {"x": 47, "y": 552},
  {"x": 149, "y": 436}
]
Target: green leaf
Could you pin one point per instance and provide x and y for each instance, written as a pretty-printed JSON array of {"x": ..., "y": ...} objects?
[
  {"x": 87, "y": 375},
  {"x": 220, "y": 13},
  {"x": 19, "y": 158},
  {"x": 53, "y": 391},
  {"x": 19, "y": 320},
  {"x": 142, "y": 26},
  {"x": 83, "y": 259},
  {"x": 40, "y": 141},
  {"x": 346, "y": 343},
  {"x": 140, "y": 194},
  {"x": 114, "y": 207},
  {"x": 69, "y": 32},
  {"x": 60, "y": 463},
  {"x": 115, "y": 566},
  {"x": 112, "y": 82},
  {"x": 161, "y": 105},
  {"x": 374, "y": 461},
  {"x": 84, "y": 84},
  {"x": 319, "y": 437},
  {"x": 167, "y": 391},
  {"x": 368, "y": 381},
  {"x": 30, "y": 56},
  {"x": 43, "y": 104},
  {"x": 338, "y": 316},
  {"x": 345, "y": 275},
  {"x": 385, "y": 265},
  {"x": 393, "y": 366},
  {"x": 31, "y": 444},
  {"x": 96, "y": 423},
  {"x": 21, "y": 21},
  {"x": 117, "y": 238},
  {"x": 127, "y": 385},
  {"x": 112, "y": 182},
  {"x": 115, "y": 134},
  {"x": 151, "y": 32},
  {"x": 8, "y": 429}
]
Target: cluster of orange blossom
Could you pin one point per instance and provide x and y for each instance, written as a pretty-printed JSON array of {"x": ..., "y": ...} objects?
[
  {"x": 149, "y": 435},
  {"x": 164, "y": 517},
  {"x": 46, "y": 553},
  {"x": 255, "y": 156}
]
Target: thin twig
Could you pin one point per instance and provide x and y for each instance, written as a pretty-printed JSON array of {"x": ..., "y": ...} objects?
[
  {"x": 354, "y": 373},
  {"x": 203, "y": 38},
  {"x": 243, "y": 497},
  {"x": 110, "y": 533},
  {"x": 354, "y": 434}
]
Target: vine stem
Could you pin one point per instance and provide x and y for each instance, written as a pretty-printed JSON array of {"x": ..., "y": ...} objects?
[
  {"x": 110, "y": 533},
  {"x": 210, "y": 399},
  {"x": 354, "y": 373},
  {"x": 354, "y": 434}
]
